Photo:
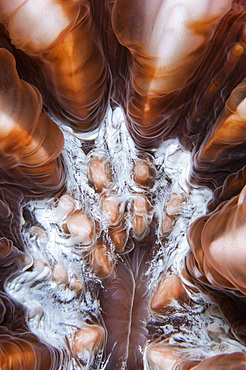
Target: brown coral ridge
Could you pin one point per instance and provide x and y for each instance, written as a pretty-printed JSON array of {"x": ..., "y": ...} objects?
[
  {"x": 26, "y": 351},
  {"x": 217, "y": 259},
  {"x": 221, "y": 71},
  {"x": 30, "y": 142},
  {"x": 222, "y": 151},
  {"x": 30, "y": 147},
  {"x": 216, "y": 241},
  {"x": 69, "y": 57},
  {"x": 231, "y": 187}
]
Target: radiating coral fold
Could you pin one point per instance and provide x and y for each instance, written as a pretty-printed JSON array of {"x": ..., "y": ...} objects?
[
  {"x": 60, "y": 36},
  {"x": 30, "y": 141},
  {"x": 218, "y": 250}
]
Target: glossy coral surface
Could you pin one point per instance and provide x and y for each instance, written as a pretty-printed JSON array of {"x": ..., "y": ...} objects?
[{"x": 122, "y": 184}]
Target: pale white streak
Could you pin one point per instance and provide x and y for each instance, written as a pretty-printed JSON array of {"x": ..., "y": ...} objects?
[
  {"x": 168, "y": 34},
  {"x": 170, "y": 37},
  {"x": 36, "y": 24}
]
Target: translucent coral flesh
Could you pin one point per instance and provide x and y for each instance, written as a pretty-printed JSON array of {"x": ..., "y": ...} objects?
[{"x": 122, "y": 198}]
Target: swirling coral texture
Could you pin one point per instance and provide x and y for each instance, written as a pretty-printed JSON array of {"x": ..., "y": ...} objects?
[{"x": 122, "y": 184}]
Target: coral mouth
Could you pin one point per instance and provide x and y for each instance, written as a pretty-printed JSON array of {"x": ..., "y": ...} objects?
[{"x": 122, "y": 184}]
